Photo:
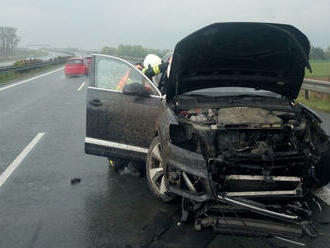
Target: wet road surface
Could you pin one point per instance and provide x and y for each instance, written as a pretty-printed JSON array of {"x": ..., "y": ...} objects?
[{"x": 39, "y": 207}]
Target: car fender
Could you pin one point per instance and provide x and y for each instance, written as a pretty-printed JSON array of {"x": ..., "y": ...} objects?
[
  {"x": 311, "y": 112},
  {"x": 166, "y": 119}
]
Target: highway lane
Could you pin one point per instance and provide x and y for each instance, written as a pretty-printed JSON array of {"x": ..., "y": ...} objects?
[
  {"x": 38, "y": 205},
  {"x": 28, "y": 109}
]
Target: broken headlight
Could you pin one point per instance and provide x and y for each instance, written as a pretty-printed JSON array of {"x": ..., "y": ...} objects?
[
  {"x": 183, "y": 137},
  {"x": 179, "y": 134}
]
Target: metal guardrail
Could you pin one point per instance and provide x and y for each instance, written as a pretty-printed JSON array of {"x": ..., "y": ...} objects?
[
  {"x": 316, "y": 85},
  {"x": 308, "y": 84},
  {"x": 5, "y": 69}
]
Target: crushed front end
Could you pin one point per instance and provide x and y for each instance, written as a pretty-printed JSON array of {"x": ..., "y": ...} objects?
[{"x": 264, "y": 159}]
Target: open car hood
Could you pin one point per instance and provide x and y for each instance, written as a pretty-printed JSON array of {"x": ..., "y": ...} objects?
[{"x": 263, "y": 56}]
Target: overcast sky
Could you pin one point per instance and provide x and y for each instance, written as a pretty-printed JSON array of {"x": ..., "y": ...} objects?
[{"x": 94, "y": 24}]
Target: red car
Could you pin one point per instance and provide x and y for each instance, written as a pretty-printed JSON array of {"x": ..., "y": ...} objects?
[{"x": 75, "y": 66}]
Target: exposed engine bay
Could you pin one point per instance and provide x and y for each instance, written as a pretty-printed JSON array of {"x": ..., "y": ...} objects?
[
  {"x": 232, "y": 135},
  {"x": 258, "y": 159}
]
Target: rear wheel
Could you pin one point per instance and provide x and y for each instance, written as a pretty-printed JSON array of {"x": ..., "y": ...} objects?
[{"x": 155, "y": 172}]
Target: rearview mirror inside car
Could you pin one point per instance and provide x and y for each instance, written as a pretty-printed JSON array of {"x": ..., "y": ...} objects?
[{"x": 136, "y": 89}]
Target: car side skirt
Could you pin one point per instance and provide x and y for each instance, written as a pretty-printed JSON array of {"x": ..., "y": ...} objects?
[{"x": 113, "y": 149}]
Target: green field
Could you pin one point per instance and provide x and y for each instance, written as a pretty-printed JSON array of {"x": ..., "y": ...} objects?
[
  {"x": 315, "y": 103},
  {"x": 321, "y": 69}
]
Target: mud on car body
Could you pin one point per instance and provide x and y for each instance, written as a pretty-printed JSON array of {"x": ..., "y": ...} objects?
[{"x": 226, "y": 129}]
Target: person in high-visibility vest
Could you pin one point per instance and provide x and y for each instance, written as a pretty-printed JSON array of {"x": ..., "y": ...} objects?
[
  {"x": 123, "y": 81},
  {"x": 152, "y": 65}
]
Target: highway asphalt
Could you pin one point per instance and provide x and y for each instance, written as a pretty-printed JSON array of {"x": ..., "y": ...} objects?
[{"x": 42, "y": 131}]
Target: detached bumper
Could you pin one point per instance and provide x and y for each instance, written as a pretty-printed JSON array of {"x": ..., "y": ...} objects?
[{"x": 192, "y": 164}]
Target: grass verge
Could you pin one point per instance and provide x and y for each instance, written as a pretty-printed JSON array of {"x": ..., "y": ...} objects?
[
  {"x": 321, "y": 69},
  {"x": 12, "y": 75},
  {"x": 317, "y": 101}
]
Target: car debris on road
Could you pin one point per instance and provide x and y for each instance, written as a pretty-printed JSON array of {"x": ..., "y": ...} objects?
[{"x": 75, "y": 181}]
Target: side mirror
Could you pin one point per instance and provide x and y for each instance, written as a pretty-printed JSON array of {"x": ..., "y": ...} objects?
[{"x": 135, "y": 89}]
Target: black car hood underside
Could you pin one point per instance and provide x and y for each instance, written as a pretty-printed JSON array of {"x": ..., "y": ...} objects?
[{"x": 263, "y": 56}]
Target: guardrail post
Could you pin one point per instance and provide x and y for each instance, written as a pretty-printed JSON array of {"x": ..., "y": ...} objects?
[{"x": 307, "y": 94}]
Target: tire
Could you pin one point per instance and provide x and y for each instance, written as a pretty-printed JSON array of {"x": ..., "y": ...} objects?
[
  {"x": 155, "y": 172},
  {"x": 67, "y": 76},
  {"x": 117, "y": 164}
]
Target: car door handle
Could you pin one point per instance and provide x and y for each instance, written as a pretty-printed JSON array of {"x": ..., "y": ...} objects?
[{"x": 96, "y": 102}]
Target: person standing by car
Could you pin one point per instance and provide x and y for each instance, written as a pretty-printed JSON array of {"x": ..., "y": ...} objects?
[{"x": 152, "y": 66}]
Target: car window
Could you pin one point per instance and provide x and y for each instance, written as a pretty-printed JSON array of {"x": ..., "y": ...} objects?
[
  {"x": 74, "y": 61},
  {"x": 113, "y": 73},
  {"x": 156, "y": 79}
]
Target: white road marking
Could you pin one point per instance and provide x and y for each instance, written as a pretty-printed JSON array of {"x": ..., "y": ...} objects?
[
  {"x": 30, "y": 79},
  {"x": 11, "y": 168},
  {"x": 81, "y": 86},
  {"x": 289, "y": 241}
]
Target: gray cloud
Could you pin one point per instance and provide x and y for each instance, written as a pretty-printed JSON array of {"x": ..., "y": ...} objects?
[{"x": 151, "y": 23}]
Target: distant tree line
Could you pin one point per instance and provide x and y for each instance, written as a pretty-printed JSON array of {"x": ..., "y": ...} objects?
[
  {"x": 140, "y": 52},
  {"x": 136, "y": 51},
  {"x": 319, "y": 53},
  {"x": 8, "y": 41}
]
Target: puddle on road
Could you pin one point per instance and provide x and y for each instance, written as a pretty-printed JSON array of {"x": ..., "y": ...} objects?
[{"x": 123, "y": 212}]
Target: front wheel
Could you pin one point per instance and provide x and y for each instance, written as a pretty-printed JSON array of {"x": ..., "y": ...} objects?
[{"x": 155, "y": 172}]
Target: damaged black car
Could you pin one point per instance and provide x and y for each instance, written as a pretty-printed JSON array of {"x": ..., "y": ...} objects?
[{"x": 222, "y": 129}]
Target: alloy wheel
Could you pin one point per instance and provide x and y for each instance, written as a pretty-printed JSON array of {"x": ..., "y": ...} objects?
[{"x": 156, "y": 170}]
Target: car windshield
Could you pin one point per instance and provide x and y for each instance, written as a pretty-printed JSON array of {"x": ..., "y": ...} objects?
[
  {"x": 232, "y": 91},
  {"x": 74, "y": 61}
]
